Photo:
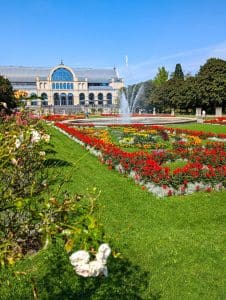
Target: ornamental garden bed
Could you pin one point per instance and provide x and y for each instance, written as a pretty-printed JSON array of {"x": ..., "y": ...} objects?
[
  {"x": 165, "y": 161},
  {"x": 219, "y": 121}
]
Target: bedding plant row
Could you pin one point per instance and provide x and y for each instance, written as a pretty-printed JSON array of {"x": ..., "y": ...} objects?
[
  {"x": 147, "y": 154},
  {"x": 219, "y": 120}
]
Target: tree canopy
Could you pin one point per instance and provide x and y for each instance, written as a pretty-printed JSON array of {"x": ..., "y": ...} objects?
[
  {"x": 161, "y": 77},
  {"x": 207, "y": 89},
  {"x": 7, "y": 101},
  {"x": 211, "y": 84}
]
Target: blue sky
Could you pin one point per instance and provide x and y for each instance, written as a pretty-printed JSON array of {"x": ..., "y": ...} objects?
[{"x": 100, "y": 33}]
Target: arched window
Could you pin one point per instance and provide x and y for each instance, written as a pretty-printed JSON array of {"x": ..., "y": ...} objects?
[
  {"x": 109, "y": 98},
  {"x": 62, "y": 74},
  {"x": 44, "y": 96},
  {"x": 68, "y": 86},
  {"x": 70, "y": 99},
  {"x": 63, "y": 99},
  {"x": 57, "y": 86},
  {"x": 82, "y": 99},
  {"x": 64, "y": 85},
  {"x": 44, "y": 99},
  {"x": 53, "y": 85},
  {"x": 100, "y": 98},
  {"x": 56, "y": 98},
  {"x": 33, "y": 96},
  {"x": 61, "y": 85},
  {"x": 91, "y": 98}
]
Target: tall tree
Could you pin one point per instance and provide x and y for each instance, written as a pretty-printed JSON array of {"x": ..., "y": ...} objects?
[
  {"x": 178, "y": 73},
  {"x": 7, "y": 101},
  {"x": 161, "y": 77},
  {"x": 211, "y": 84}
]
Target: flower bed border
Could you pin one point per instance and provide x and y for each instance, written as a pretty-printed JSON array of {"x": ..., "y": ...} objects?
[{"x": 150, "y": 173}]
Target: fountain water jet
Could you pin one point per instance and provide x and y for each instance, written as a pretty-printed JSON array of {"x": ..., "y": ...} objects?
[{"x": 128, "y": 101}]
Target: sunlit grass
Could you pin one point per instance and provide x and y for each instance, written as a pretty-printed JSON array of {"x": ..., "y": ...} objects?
[
  {"x": 203, "y": 127},
  {"x": 180, "y": 240}
]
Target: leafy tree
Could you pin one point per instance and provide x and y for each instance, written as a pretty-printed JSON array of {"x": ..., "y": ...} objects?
[
  {"x": 147, "y": 95},
  {"x": 207, "y": 89},
  {"x": 213, "y": 67},
  {"x": 211, "y": 84},
  {"x": 6, "y": 95},
  {"x": 160, "y": 98},
  {"x": 189, "y": 95},
  {"x": 178, "y": 73},
  {"x": 161, "y": 77}
]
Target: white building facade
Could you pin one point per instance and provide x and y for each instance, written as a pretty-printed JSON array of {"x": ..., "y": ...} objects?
[{"x": 67, "y": 89}]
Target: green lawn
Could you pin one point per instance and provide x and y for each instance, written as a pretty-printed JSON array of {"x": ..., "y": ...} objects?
[
  {"x": 179, "y": 240},
  {"x": 203, "y": 127}
]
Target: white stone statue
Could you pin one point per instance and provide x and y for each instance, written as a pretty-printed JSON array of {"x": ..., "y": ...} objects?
[{"x": 80, "y": 260}]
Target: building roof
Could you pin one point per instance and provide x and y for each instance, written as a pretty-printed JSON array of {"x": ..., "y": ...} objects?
[{"x": 29, "y": 74}]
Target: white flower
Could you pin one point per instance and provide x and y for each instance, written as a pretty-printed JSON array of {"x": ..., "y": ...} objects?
[
  {"x": 35, "y": 136},
  {"x": 46, "y": 137},
  {"x": 44, "y": 182},
  {"x": 17, "y": 143},
  {"x": 4, "y": 104},
  {"x": 14, "y": 161},
  {"x": 42, "y": 153}
]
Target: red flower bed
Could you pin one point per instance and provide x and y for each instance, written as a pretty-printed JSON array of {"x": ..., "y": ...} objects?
[
  {"x": 58, "y": 118},
  {"x": 200, "y": 134},
  {"x": 220, "y": 121},
  {"x": 206, "y": 165}
]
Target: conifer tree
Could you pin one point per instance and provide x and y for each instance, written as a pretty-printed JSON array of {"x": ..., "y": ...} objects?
[{"x": 178, "y": 73}]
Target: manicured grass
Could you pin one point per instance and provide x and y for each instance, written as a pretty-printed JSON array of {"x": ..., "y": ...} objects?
[
  {"x": 179, "y": 240},
  {"x": 203, "y": 127}
]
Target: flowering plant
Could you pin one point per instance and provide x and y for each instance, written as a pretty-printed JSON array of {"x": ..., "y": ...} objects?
[
  {"x": 31, "y": 215},
  {"x": 205, "y": 161}
]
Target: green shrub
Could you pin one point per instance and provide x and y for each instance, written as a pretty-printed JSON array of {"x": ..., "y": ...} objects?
[{"x": 30, "y": 218}]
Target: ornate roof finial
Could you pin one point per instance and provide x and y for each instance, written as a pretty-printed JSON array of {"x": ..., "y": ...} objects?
[{"x": 61, "y": 62}]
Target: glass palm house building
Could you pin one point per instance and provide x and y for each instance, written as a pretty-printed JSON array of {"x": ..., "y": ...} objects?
[{"x": 66, "y": 89}]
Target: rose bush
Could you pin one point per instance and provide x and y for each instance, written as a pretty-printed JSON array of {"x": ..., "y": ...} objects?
[{"x": 31, "y": 215}]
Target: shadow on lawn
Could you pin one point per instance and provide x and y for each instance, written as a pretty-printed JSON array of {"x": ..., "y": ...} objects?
[
  {"x": 54, "y": 162},
  {"x": 125, "y": 282},
  {"x": 50, "y": 276}
]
